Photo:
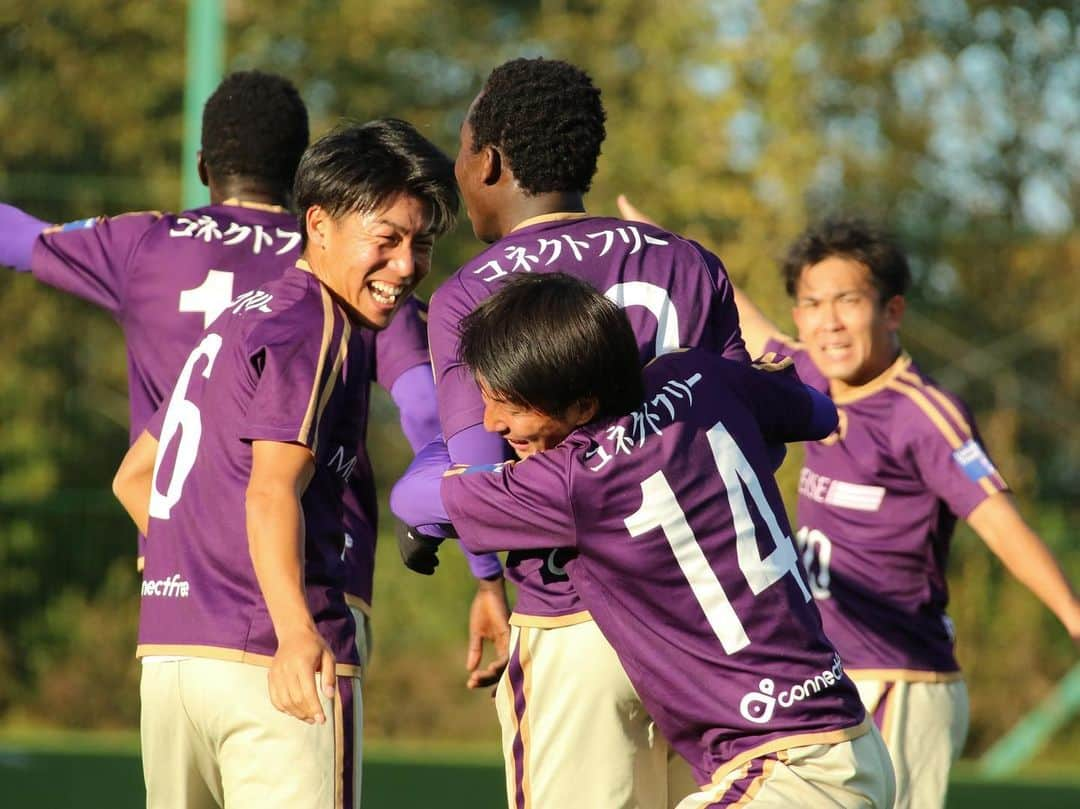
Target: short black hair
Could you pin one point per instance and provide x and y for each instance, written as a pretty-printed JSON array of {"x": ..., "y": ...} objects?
[
  {"x": 546, "y": 118},
  {"x": 254, "y": 125},
  {"x": 855, "y": 239},
  {"x": 549, "y": 341},
  {"x": 361, "y": 168}
]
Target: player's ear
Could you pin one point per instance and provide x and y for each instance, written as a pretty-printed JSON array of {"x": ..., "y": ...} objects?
[
  {"x": 200, "y": 165},
  {"x": 491, "y": 170},
  {"x": 893, "y": 310},
  {"x": 317, "y": 222},
  {"x": 584, "y": 411}
]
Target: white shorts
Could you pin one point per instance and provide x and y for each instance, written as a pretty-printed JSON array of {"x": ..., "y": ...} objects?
[
  {"x": 575, "y": 734},
  {"x": 924, "y": 725},
  {"x": 855, "y": 774},
  {"x": 211, "y": 738}
]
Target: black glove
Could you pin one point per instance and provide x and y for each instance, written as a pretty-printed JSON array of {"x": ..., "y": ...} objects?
[{"x": 419, "y": 552}]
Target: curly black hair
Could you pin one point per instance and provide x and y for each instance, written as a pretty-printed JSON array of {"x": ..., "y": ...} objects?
[
  {"x": 254, "y": 125},
  {"x": 855, "y": 239},
  {"x": 546, "y": 118}
]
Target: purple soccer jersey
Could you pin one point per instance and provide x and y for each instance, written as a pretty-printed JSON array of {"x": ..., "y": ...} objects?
[
  {"x": 675, "y": 294},
  {"x": 878, "y": 502},
  {"x": 166, "y": 277},
  {"x": 288, "y": 367},
  {"x": 684, "y": 557}
]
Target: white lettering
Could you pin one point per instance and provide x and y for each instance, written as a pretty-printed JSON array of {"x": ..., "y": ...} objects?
[
  {"x": 759, "y": 706},
  {"x": 171, "y": 587}
]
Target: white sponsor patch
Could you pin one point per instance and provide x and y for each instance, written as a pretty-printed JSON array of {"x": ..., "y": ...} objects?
[
  {"x": 855, "y": 496},
  {"x": 973, "y": 461}
]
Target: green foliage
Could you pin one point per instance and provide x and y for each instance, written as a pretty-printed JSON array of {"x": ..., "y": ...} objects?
[{"x": 736, "y": 121}]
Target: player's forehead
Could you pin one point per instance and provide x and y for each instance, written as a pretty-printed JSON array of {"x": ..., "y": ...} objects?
[
  {"x": 403, "y": 213},
  {"x": 833, "y": 275}
]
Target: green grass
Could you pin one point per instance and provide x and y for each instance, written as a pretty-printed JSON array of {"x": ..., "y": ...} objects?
[{"x": 54, "y": 769}]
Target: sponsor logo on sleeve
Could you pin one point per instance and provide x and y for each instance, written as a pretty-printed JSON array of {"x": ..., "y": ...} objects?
[
  {"x": 973, "y": 461},
  {"x": 79, "y": 224},
  {"x": 171, "y": 587},
  {"x": 759, "y": 706}
]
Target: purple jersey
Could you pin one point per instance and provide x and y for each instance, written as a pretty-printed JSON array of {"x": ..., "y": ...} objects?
[
  {"x": 684, "y": 557},
  {"x": 287, "y": 367},
  {"x": 675, "y": 293},
  {"x": 166, "y": 277},
  {"x": 878, "y": 502}
]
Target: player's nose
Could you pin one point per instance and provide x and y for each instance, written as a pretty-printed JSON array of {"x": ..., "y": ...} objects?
[{"x": 493, "y": 421}]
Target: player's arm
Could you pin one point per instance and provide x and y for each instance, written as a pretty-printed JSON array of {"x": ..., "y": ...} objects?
[
  {"x": 133, "y": 479},
  {"x": 757, "y": 329},
  {"x": 999, "y": 524},
  {"x": 18, "y": 232},
  {"x": 280, "y": 472},
  {"x": 461, "y": 416}
]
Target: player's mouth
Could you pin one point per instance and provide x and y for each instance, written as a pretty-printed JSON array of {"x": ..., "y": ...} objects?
[
  {"x": 520, "y": 446},
  {"x": 836, "y": 351},
  {"x": 386, "y": 294}
]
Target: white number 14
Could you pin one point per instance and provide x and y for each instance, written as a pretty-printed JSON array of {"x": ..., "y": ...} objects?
[{"x": 660, "y": 509}]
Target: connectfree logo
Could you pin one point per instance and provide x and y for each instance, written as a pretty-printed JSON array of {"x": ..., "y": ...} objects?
[
  {"x": 759, "y": 706},
  {"x": 172, "y": 587}
]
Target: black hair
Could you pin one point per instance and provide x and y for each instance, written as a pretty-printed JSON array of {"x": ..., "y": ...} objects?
[
  {"x": 549, "y": 341},
  {"x": 361, "y": 168},
  {"x": 254, "y": 125},
  {"x": 853, "y": 239},
  {"x": 546, "y": 118}
]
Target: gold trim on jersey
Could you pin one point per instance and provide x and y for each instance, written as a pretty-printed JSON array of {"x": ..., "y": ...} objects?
[
  {"x": 785, "y": 742},
  {"x": 358, "y": 603},
  {"x": 875, "y": 385},
  {"x": 918, "y": 391},
  {"x": 327, "y": 333},
  {"x": 905, "y": 675},
  {"x": 236, "y": 202},
  {"x": 331, "y": 383},
  {"x": 549, "y": 621},
  {"x": 225, "y": 653},
  {"x": 550, "y": 217}
]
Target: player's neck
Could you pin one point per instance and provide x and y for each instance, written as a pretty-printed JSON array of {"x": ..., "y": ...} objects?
[
  {"x": 526, "y": 208},
  {"x": 247, "y": 189}
]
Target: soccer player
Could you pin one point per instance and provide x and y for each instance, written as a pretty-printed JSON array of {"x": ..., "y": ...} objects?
[
  {"x": 250, "y": 666},
  {"x": 166, "y": 277},
  {"x": 663, "y": 486},
  {"x": 529, "y": 147},
  {"x": 879, "y": 499}
]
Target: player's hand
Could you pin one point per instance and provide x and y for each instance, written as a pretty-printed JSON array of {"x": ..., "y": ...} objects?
[
  {"x": 300, "y": 656},
  {"x": 628, "y": 211},
  {"x": 489, "y": 619},
  {"x": 419, "y": 552}
]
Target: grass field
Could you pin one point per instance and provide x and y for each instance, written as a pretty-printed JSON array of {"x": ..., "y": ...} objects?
[{"x": 55, "y": 770}]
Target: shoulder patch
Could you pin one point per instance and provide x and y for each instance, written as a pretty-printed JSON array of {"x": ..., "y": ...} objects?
[{"x": 972, "y": 459}]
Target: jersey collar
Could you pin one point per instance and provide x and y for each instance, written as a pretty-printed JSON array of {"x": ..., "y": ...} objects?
[
  {"x": 875, "y": 385},
  {"x": 549, "y": 217}
]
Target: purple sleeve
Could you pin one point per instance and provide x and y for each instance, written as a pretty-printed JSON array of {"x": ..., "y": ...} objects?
[
  {"x": 807, "y": 370},
  {"x": 416, "y": 498},
  {"x": 460, "y": 405},
  {"x": 414, "y": 394},
  {"x": 950, "y": 458},
  {"x": 402, "y": 345},
  {"x": 18, "y": 231},
  {"x": 785, "y": 408},
  {"x": 520, "y": 506},
  {"x": 293, "y": 359},
  {"x": 90, "y": 258},
  {"x": 723, "y": 315}
]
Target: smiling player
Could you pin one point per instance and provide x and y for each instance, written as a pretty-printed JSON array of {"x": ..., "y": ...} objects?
[
  {"x": 238, "y": 483},
  {"x": 684, "y": 558}
]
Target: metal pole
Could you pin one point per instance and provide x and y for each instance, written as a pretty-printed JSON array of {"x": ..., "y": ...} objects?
[{"x": 205, "y": 64}]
